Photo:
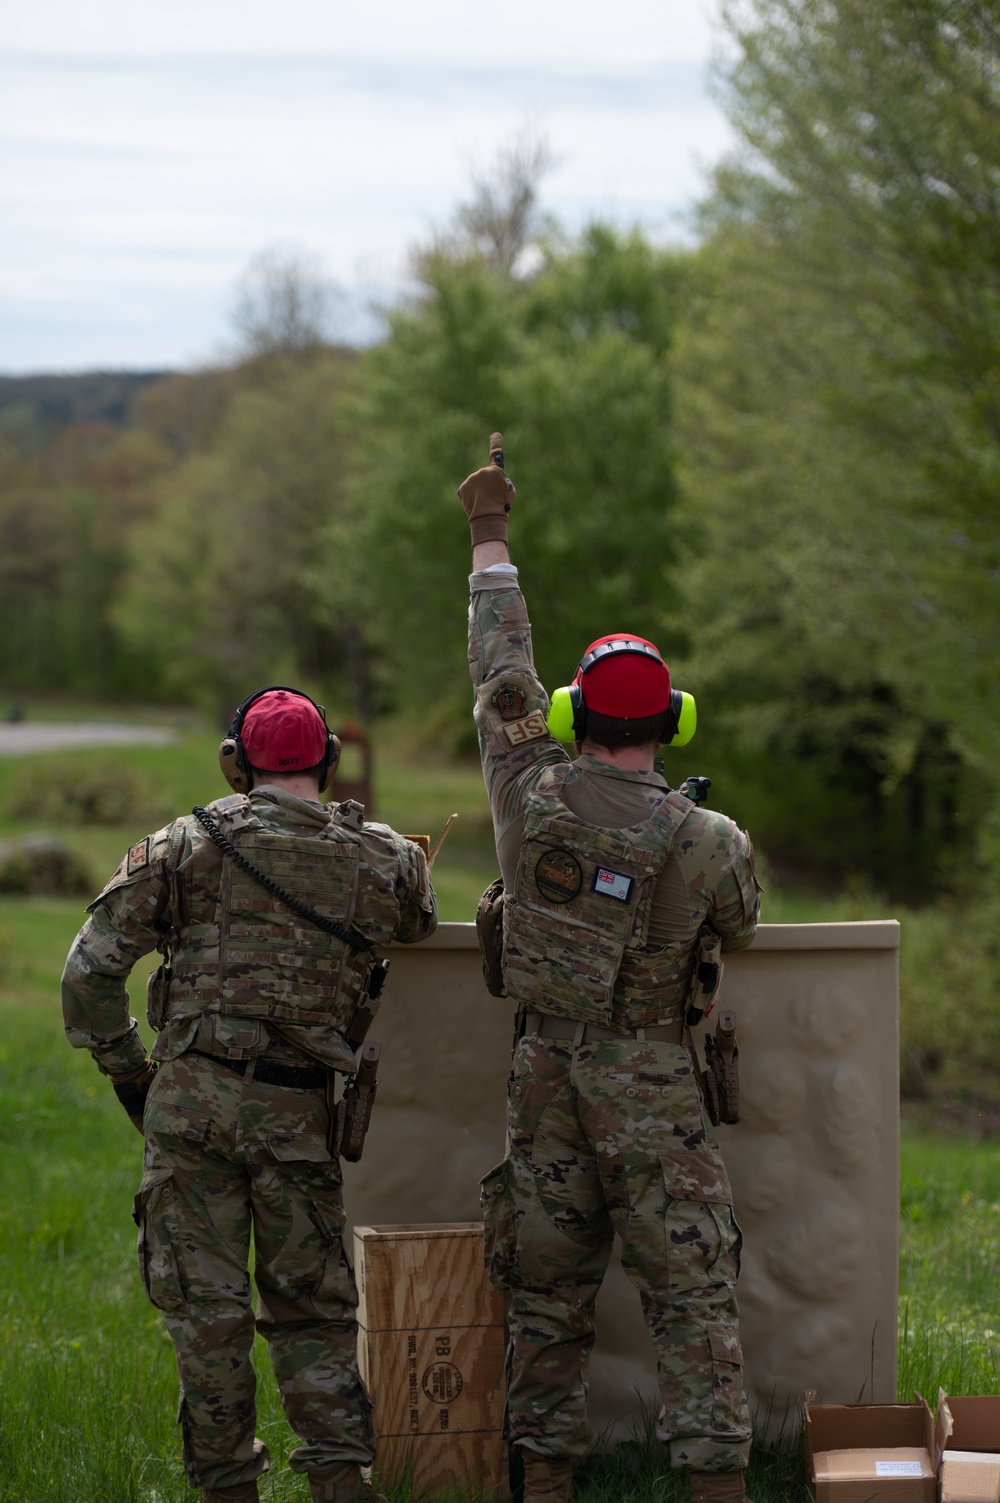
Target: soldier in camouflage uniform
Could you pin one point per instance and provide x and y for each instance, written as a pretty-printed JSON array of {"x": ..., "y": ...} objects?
[
  {"x": 251, "y": 1005},
  {"x": 609, "y": 880}
]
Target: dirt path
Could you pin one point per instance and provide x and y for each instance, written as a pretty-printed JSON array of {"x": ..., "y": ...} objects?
[{"x": 40, "y": 736}]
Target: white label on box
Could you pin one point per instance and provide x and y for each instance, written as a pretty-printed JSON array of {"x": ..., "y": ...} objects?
[{"x": 897, "y": 1468}]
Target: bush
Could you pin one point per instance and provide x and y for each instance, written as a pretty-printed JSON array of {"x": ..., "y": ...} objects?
[
  {"x": 73, "y": 791},
  {"x": 41, "y": 865}
]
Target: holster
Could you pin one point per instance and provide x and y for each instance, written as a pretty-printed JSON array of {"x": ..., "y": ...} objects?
[
  {"x": 721, "y": 1078},
  {"x": 351, "y": 1115},
  {"x": 489, "y": 932}
]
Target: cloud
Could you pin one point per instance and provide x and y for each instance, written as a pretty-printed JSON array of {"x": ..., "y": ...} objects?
[{"x": 138, "y": 180}]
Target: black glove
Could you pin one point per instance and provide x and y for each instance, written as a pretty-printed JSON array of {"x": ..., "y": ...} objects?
[{"x": 132, "y": 1090}]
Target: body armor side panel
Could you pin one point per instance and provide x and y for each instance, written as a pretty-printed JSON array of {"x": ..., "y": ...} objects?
[{"x": 576, "y": 929}]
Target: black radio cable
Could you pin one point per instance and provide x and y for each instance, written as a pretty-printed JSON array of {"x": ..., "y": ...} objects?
[{"x": 304, "y": 910}]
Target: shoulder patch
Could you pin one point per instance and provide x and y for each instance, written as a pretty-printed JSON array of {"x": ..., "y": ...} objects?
[
  {"x": 138, "y": 856},
  {"x": 531, "y": 728},
  {"x": 508, "y": 701}
]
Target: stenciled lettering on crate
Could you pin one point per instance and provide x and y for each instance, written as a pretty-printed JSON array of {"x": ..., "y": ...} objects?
[{"x": 431, "y": 1350}]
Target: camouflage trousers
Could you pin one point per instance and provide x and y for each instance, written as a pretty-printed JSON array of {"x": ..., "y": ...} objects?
[
  {"x": 607, "y": 1137},
  {"x": 224, "y": 1156}
]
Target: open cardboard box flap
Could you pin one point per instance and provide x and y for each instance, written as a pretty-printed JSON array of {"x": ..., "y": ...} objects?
[
  {"x": 968, "y": 1424},
  {"x": 968, "y": 1441},
  {"x": 861, "y": 1452}
]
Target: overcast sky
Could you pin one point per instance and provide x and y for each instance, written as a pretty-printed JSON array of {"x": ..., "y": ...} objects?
[{"x": 147, "y": 153}]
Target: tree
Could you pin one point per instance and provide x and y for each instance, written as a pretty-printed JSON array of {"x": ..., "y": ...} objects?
[
  {"x": 838, "y": 424},
  {"x": 501, "y": 219},
  {"x": 238, "y": 579},
  {"x": 284, "y": 305},
  {"x": 570, "y": 364}
]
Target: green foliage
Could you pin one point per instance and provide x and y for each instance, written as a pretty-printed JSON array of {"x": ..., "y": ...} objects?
[
  {"x": 569, "y": 364},
  {"x": 42, "y": 864},
  {"x": 103, "y": 790},
  {"x": 66, "y": 516},
  {"x": 235, "y": 579},
  {"x": 838, "y": 436}
]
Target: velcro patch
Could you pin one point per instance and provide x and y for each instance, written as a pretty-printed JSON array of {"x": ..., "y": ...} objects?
[
  {"x": 531, "y": 728},
  {"x": 138, "y": 856},
  {"x": 508, "y": 701},
  {"x": 612, "y": 884}
]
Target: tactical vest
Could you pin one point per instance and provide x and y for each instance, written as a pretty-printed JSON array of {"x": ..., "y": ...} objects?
[
  {"x": 576, "y": 925},
  {"x": 247, "y": 952}
]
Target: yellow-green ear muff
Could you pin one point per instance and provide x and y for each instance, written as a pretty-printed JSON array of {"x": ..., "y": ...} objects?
[
  {"x": 686, "y": 717},
  {"x": 562, "y": 714}
]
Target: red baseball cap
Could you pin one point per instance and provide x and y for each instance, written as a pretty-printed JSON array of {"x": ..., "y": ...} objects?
[
  {"x": 283, "y": 732},
  {"x": 624, "y": 676}
]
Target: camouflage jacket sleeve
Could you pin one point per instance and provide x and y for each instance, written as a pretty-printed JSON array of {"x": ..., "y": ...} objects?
[
  {"x": 735, "y": 906},
  {"x": 511, "y": 705},
  {"x": 416, "y": 896},
  {"x": 126, "y": 921}
]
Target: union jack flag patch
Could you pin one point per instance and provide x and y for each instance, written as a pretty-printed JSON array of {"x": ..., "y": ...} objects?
[{"x": 613, "y": 884}]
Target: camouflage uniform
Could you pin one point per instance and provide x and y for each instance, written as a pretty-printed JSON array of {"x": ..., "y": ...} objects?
[
  {"x": 606, "y": 1127},
  {"x": 250, "y": 1007}
]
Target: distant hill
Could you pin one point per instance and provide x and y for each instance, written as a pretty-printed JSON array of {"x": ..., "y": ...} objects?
[{"x": 39, "y": 404}]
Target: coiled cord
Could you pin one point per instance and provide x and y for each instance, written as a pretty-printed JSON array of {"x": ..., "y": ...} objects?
[{"x": 304, "y": 910}]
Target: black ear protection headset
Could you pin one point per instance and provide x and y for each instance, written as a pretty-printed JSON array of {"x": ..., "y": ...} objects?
[
  {"x": 233, "y": 759},
  {"x": 568, "y": 711}
]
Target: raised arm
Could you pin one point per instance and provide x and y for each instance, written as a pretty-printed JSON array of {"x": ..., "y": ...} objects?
[{"x": 511, "y": 704}]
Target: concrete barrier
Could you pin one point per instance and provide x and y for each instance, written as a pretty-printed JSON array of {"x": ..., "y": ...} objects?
[{"x": 814, "y": 1163}]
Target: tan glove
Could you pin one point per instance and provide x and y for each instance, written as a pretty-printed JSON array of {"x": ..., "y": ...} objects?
[{"x": 487, "y": 495}]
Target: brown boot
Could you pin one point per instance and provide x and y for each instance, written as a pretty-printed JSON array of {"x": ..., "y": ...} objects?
[
  {"x": 718, "y": 1487},
  {"x": 547, "y": 1479},
  {"x": 340, "y": 1482},
  {"x": 243, "y": 1492}
]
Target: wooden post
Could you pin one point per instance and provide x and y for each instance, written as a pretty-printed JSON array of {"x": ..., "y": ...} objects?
[{"x": 431, "y": 1345}]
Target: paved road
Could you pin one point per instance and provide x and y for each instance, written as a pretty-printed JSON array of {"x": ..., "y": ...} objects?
[{"x": 27, "y": 736}]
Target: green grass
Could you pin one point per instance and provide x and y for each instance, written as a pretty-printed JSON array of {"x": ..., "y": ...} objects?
[{"x": 950, "y": 1260}]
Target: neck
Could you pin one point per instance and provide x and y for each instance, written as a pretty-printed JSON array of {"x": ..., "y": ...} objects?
[
  {"x": 297, "y": 784},
  {"x": 628, "y": 758}
]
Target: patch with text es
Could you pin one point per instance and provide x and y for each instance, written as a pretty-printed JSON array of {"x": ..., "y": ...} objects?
[{"x": 531, "y": 728}]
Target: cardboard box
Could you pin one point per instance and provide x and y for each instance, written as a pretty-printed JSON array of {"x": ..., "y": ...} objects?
[
  {"x": 431, "y": 1345},
  {"x": 870, "y": 1453},
  {"x": 968, "y": 1440}
]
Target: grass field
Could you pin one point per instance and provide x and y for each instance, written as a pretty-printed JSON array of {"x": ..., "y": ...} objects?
[{"x": 87, "y": 1381}]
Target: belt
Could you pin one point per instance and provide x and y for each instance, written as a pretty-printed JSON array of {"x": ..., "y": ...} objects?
[
  {"x": 267, "y": 1072},
  {"x": 548, "y": 1027}
]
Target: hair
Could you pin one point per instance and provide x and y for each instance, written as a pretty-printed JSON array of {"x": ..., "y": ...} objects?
[
  {"x": 262, "y": 774},
  {"x": 613, "y": 731}
]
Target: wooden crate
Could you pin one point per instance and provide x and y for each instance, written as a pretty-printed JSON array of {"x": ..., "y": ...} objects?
[{"x": 431, "y": 1350}]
